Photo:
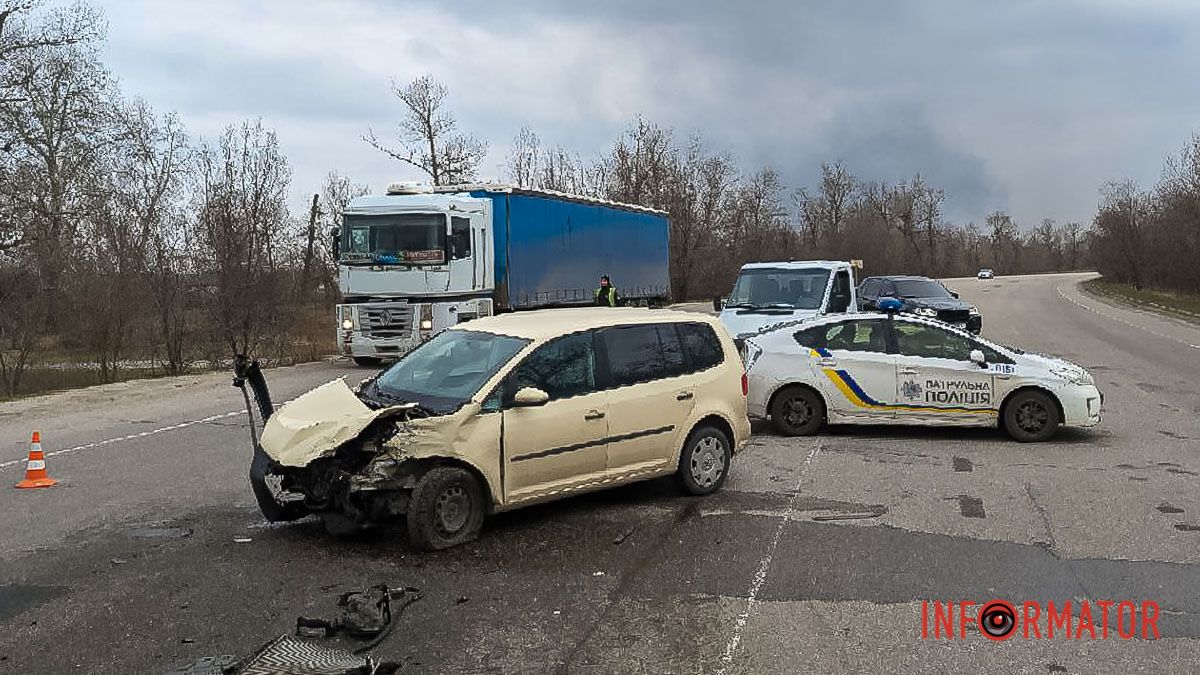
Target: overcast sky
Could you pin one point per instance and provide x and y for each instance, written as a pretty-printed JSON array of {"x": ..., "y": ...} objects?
[{"x": 1020, "y": 105}]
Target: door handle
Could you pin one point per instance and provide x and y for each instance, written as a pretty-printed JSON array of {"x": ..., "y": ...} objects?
[
  {"x": 593, "y": 415},
  {"x": 684, "y": 396},
  {"x": 908, "y": 371},
  {"x": 827, "y": 361}
]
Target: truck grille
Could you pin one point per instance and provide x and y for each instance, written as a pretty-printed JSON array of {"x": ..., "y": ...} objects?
[
  {"x": 387, "y": 322},
  {"x": 954, "y": 315}
]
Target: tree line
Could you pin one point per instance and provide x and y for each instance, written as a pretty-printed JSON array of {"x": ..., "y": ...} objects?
[{"x": 1150, "y": 238}]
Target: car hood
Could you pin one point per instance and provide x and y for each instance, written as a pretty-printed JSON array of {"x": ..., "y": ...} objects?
[
  {"x": 318, "y": 422},
  {"x": 936, "y": 303},
  {"x": 1048, "y": 363},
  {"x": 743, "y": 322}
]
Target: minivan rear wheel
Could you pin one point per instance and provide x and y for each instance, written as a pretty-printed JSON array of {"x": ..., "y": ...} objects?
[
  {"x": 797, "y": 411},
  {"x": 704, "y": 462},
  {"x": 446, "y": 509}
]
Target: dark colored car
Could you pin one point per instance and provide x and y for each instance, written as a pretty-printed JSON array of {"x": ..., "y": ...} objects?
[{"x": 921, "y": 296}]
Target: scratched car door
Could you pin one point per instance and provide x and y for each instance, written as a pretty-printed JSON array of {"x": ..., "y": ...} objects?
[
  {"x": 858, "y": 374},
  {"x": 936, "y": 379}
]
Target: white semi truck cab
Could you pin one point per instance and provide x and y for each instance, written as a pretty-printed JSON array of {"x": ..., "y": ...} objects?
[{"x": 411, "y": 263}]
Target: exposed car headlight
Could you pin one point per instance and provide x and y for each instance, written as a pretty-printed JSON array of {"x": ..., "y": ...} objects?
[
  {"x": 925, "y": 311},
  {"x": 347, "y": 324},
  {"x": 974, "y": 311}
]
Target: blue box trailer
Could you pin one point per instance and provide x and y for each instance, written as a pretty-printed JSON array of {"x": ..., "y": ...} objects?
[{"x": 551, "y": 249}]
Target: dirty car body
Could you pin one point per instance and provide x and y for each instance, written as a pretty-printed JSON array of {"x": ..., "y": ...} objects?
[{"x": 527, "y": 407}]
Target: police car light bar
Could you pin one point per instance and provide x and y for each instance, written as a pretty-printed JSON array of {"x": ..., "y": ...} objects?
[{"x": 890, "y": 305}]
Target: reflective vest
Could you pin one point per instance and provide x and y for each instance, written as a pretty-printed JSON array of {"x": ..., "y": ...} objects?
[{"x": 610, "y": 299}]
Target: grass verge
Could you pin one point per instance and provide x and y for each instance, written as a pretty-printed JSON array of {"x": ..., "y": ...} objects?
[{"x": 1179, "y": 305}]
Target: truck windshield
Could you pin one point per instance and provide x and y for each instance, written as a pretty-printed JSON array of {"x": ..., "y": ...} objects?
[
  {"x": 920, "y": 288},
  {"x": 397, "y": 239},
  {"x": 448, "y": 370},
  {"x": 784, "y": 288}
]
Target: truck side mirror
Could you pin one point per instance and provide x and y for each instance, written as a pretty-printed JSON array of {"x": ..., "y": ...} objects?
[
  {"x": 718, "y": 304},
  {"x": 335, "y": 234}
]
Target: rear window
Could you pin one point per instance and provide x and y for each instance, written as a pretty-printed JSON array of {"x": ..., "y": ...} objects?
[
  {"x": 643, "y": 353},
  {"x": 701, "y": 345}
]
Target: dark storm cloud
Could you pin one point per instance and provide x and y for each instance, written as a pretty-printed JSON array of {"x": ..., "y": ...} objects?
[{"x": 1025, "y": 105}]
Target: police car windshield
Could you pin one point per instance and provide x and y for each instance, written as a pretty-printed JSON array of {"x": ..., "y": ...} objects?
[
  {"x": 446, "y": 371},
  {"x": 920, "y": 288},
  {"x": 785, "y": 288}
]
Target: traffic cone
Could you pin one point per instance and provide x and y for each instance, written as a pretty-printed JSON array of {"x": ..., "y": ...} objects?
[{"x": 35, "y": 468}]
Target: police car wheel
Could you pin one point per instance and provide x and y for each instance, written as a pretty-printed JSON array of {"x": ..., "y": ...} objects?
[
  {"x": 446, "y": 509},
  {"x": 797, "y": 411},
  {"x": 1031, "y": 416}
]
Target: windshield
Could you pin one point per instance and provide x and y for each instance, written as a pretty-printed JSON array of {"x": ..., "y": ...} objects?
[
  {"x": 448, "y": 370},
  {"x": 767, "y": 287},
  {"x": 920, "y": 288},
  {"x": 408, "y": 238}
]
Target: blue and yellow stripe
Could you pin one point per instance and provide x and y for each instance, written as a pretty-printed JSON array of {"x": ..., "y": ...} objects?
[{"x": 854, "y": 393}]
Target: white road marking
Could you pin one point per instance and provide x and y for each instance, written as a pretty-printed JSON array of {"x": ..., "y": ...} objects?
[
  {"x": 130, "y": 437},
  {"x": 764, "y": 567},
  {"x": 1097, "y": 312}
]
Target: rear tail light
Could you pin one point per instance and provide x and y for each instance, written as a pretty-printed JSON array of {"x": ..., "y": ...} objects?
[{"x": 745, "y": 385}]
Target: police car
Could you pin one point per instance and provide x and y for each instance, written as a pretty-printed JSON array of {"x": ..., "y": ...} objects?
[{"x": 902, "y": 369}]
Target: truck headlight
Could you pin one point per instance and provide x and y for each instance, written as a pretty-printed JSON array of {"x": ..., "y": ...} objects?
[
  {"x": 347, "y": 324},
  {"x": 426, "y": 324},
  {"x": 750, "y": 353}
]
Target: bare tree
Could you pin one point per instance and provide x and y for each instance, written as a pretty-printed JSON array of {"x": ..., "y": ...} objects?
[
  {"x": 428, "y": 135},
  {"x": 524, "y": 159},
  {"x": 335, "y": 195}
]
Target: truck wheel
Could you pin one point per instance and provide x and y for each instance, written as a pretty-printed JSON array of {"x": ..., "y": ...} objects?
[
  {"x": 704, "y": 462},
  {"x": 367, "y": 361},
  {"x": 446, "y": 509},
  {"x": 1031, "y": 416},
  {"x": 797, "y": 411},
  {"x": 267, "y": 493}
]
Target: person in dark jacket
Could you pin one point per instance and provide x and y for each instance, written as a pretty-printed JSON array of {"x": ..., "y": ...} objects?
[{"x": 606, "y": 295}]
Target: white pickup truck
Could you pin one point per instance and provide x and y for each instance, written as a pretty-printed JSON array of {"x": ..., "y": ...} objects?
[{"x": 770, "y": 293}]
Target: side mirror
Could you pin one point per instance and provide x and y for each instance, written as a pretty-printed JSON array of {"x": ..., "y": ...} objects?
[
  {"x": 718, "y": 304},
  {"x": 335, "y": 234},
  {"x": 530, "y": 397},
  {"x": 978, "y": 359}
]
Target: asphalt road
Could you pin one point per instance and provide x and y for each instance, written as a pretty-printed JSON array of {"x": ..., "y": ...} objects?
[{"x": 816, "y": 557}]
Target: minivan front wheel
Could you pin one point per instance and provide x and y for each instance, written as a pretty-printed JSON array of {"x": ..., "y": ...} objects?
[
  {"x": 704, "y": 462},
  {"x": 446, "y": 509}
]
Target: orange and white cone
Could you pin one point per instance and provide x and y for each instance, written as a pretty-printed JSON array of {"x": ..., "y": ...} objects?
[{"x": 35, "y": 468}]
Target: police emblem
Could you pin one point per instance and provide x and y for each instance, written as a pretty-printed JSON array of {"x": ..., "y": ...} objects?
[{"x": 910, "y": 390}]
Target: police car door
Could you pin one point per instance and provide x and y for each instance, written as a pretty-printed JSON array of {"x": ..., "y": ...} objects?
[
  {"x": 936, "y": 380},
  {"x": 856, "y": 373}
]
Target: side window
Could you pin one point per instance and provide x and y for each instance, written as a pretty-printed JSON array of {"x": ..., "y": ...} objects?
[
  {"x": 701, "y": 345},
  {"x": 918, "y": 339},
  {"x": 868, "y": 288},
  {"x": 813, "y": 338},
  {"x": 637, "y": 354},
  {"x": 494, "y": 400},
  {"x": 460, "y": 237},
  {"x": 857, "y": 336},
  {"x": 839, "y": 295},
  {"x": 673, "y": 360},
  {"x": 562, "y": 368}
]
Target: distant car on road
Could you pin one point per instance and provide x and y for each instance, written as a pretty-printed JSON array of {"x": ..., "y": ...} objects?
[
  {"x": 921, "y": 296},
  {"x": 901, "y": 369},
  {"x": 506, "y": 411},
  {"x": 987, "y": 273}
]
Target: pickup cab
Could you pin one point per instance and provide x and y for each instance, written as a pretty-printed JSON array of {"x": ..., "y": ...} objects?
[{"x": 770, "y": 293}]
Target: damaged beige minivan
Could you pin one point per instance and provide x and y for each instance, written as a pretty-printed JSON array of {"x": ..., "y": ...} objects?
[{"x": 502, "y": 412}]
